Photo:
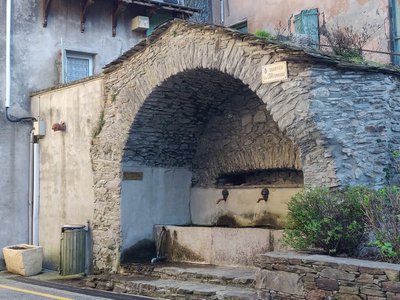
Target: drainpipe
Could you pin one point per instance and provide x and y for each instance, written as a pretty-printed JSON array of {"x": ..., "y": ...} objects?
[
  {"x": 36, "y": 194},
  {"x": 8, "y": 52},
  {"x": 222, "y": 12},
  {"x": 30, "y": 196}
]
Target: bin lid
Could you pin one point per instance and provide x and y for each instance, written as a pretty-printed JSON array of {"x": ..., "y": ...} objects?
[{"x": 72, "y": 227}]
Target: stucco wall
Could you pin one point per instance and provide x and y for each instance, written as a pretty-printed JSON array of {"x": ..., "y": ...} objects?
[
  {"x": 266, "y": 15},
  {"x": 14, "y": 156},
  {"x": 66, "y": 182},
  {"x": 242, "y": 207},
  {"x": 160, "y": 197}
]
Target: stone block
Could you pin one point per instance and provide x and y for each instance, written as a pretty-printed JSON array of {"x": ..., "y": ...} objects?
[
  {"x": 279, "y": 281},
  {"x": 365, "y": 278},
  {"x": 23, "y": 259},
  {"x": 316, "y": 295},
  {"x": 341, "y": 296},
  {"x": 393, "y": 287},
  {"x": 392, "y": 275},
  {"x": 371, "y": 292},
  {"x": 348, "y": 268},
  {"x": 371, "y": 271},
  {"x": 349, "y": 290},
  {"x": 392, "y": 296},
  {"x": 337, "y": 274},
  {"x": 327, "y": 284}
]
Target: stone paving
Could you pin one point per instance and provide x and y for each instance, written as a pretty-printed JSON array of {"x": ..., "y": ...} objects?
[{"x": 182, "y": 281}]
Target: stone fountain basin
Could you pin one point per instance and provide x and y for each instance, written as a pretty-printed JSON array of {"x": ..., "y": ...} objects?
[
  {"x": 218, "y": 245},
  {"x": 23, "y": 259}
]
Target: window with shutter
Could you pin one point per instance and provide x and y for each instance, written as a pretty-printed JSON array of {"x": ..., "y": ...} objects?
[{"x": 306, "y": 22}]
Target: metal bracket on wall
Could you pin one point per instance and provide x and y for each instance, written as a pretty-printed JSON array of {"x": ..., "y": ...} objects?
[
  {"x": 119, "y": 6},
  {"x": 46, "y": 7},
  {"x": 84, "y": 6}
]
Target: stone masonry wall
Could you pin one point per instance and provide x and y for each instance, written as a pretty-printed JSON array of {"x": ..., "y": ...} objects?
[
  {"x": 321, "y": 124},
  {"x": 317, "y": 277},
  {"x": 242, "y": 137},
  {"x": 211, "y": 133},
  {"x": 358, "y": 113}
]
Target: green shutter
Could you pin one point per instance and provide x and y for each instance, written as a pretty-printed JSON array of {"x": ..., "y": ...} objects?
[
  {"x": 310, "y": 25},
  {"x": 306, "y": 22},
  {"x": 241, "y": 27},
  {"x": 298, "y": 24},
  {"x": 156, "y": 20},
  {"x": 396, "y": 30}
]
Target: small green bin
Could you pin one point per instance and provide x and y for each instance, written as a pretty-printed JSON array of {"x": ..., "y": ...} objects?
[{"x": 73, "y": 249}]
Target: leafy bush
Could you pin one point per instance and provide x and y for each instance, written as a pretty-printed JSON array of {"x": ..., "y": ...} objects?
[
  {"x": 325, "y": 219},
  {"x": 382, "y": 215},
  {"x": 263, "y": 34},
  {"x": 347, "y": 42}
]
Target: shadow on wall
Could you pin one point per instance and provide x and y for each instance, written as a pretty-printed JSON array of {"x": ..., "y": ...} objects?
[{"x": 141, "y": 252}]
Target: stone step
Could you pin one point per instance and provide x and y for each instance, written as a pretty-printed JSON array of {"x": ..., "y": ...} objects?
[
  {"x": 171, "y": 289},
  {"x": 229, "y": 276}
]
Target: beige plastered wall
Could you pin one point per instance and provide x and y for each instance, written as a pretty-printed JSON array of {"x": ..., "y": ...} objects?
[
  {"x": 267, "y": 14},
  {"x": 243, "y": 206},
  {"x": 66, "y": 183}
]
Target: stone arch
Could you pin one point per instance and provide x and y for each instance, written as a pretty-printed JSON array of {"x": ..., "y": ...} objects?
[{"x": 182, "y": 47}]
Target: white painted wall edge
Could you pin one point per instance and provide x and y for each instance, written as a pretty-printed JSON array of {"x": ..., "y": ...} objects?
[{"x": 36, "y": 193}]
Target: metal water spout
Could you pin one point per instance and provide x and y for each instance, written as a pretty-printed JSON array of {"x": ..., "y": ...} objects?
[
  {"x": 264, "y": 194},
  {"x": 161, "y": 255},
  {"x": 225, "y": 194}
]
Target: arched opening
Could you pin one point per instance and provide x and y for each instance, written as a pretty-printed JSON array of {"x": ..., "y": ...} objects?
[{"x": 197, "y": 134}]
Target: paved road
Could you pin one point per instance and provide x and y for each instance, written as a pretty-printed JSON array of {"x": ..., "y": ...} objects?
[{"x": 20, "y": 288}]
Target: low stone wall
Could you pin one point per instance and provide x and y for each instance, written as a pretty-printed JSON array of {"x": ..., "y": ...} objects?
[{"x": 298, "y": 276}]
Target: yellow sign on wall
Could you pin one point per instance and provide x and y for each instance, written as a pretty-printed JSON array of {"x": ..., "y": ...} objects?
[{"x": 274, "y": 72}]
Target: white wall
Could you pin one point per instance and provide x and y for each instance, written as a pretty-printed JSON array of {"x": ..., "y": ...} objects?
[
  {"x": 66, "y": 181},
  {"x": 161, "y": 197}
]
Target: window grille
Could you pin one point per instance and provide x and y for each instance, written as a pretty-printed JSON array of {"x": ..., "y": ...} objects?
[{"x": 76, "y": 65}]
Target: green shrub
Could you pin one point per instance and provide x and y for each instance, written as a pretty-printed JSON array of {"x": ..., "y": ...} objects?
[
  {"x": 382, "y": 215},
  {"x": 263, "y": 34},
  {"x": 319, "y": 218}
]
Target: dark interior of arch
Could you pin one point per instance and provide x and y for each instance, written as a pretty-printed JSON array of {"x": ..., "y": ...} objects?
[{"x": 211, "y": 123}]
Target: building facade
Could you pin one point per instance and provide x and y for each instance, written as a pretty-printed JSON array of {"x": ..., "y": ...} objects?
[
  {"x": 52, "y": 42},
  {"x": 378, "y": 19}
]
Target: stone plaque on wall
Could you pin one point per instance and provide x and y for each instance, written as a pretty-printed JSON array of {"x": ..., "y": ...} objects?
[
  {"x": 132, "y": 176},
  {"x": 274, "y": 72}
]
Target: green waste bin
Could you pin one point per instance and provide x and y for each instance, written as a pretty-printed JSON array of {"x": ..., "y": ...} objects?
[{"x": 73, "y": 249}]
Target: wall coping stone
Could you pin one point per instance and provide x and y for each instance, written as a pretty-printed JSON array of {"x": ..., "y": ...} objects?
[{"x": 262, "y": 260}]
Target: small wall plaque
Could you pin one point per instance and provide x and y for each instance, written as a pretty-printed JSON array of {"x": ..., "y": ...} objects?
[
  {"x": 274, "y": 72},
  {"x": 132, "y": 176}
]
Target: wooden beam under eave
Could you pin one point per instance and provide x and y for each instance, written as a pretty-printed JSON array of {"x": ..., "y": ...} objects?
[
  {"x": 84, "y": 6},
  {"x": 45, "y": 11},
  {"x": 119, "y": 6}
]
